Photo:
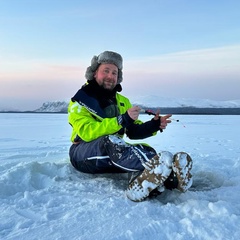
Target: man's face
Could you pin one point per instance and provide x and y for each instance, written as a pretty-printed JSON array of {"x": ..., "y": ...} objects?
[{"x": 106, "y": 76}]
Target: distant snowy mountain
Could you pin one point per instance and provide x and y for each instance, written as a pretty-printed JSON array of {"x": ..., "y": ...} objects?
[
  {"x": 156, "y": 101},
  {"x": 56, "y": 106},
  {"x": 153, "y": 102}
]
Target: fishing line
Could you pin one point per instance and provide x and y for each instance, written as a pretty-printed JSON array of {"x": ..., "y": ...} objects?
[{"x": 150, "y": 112}]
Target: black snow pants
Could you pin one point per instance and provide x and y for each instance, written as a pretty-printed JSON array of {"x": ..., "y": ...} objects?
[{"x": 103, "y": 156}]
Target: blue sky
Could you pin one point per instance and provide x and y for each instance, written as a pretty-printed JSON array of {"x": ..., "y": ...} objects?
[{"x": 174, "y": 48}]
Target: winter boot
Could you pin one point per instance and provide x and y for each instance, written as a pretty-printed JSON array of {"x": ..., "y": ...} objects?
[
  {"x": 182, "y": 165},
  {"x": 157, "y": 170},
  {"x": 170, "y": 183}
]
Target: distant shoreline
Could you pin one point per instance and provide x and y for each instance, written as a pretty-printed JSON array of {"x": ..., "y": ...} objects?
[{"x": 174, "y": 110}]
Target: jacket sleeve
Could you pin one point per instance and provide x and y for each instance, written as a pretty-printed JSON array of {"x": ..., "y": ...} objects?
[
  {"x": 87, "y": 126},
  {"x": 140, "y": 130}
]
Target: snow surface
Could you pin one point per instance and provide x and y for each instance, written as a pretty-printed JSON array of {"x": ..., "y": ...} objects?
[{"x": 43, "y": 197}]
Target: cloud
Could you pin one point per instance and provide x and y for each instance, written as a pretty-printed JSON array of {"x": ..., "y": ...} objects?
[
  {"x": 39, "y": 70},
  {"x": 39, "y": 81},
  {"x": 208, "y": 61},
  {"x": 208, "y": 73}
]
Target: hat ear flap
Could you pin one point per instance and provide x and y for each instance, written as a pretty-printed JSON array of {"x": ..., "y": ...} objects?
[
  {"x": 89, "y": 75},
  {"x": 94, "y": 63},
  {"x": 120, "y": 76},
  {"x": 90, "y": 72}
]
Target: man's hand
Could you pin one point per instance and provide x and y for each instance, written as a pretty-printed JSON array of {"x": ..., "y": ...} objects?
[
  {"x": 164, "y": 120},
  {"x": 134, "y": 112}
]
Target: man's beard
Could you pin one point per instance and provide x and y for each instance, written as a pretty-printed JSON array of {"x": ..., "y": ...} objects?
[{"x": 108, "y": 85}]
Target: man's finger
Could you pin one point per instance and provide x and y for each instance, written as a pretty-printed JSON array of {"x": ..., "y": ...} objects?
[
  {"x": 166, "y": 118},
  {"x": 157, "y": 112}
]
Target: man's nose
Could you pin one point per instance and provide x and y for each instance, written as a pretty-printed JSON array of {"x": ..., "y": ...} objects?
[{"x": 111, "y": 75}]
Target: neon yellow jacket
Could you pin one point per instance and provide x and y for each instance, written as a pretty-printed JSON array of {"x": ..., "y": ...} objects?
[
  {"x": 89, "y": 121},
  {"x": 89, "y": 126}
]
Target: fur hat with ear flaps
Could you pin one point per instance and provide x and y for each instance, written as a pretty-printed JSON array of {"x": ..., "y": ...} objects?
[{"x": 105, "y": 57}]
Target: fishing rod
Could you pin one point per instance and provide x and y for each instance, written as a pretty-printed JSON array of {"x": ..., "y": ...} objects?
[{"x": 150, "y": 112}]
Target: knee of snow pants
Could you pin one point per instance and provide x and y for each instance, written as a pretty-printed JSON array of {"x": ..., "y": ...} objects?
[
  {"x": 91, "y": 157},
  {"x": 127, "y": 156},
  {"x": 104, "y": 155}
]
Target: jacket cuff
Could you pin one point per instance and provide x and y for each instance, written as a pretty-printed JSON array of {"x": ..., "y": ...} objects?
[{"x": 125, "y": 120}]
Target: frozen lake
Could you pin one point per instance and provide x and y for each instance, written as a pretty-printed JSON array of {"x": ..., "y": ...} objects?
[{"x": 43, "y": 197}]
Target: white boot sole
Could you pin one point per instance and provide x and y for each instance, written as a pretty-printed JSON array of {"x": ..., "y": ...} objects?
[
  {"x": 182, "y": 165},
  {"x": 155, "y": 173}
]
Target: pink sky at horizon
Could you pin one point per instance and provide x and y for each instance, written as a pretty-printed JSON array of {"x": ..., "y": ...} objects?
[
  {"x": 170, "y": 48},
  {"x": 208, "y": 73}
]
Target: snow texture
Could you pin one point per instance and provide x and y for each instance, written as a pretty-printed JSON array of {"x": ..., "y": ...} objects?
[{"x": 43, "y": 197}]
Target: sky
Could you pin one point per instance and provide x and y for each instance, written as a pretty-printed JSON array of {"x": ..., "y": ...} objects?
[{"x": 174, "y": 48}]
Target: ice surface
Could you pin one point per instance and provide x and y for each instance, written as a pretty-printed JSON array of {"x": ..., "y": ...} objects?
[{"x": 43, "y": 197}]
